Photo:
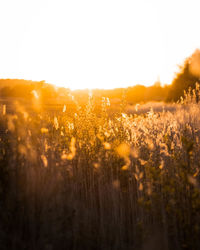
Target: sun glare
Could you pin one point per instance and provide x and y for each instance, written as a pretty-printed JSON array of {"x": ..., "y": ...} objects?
[{"x": 96, "y": 44}]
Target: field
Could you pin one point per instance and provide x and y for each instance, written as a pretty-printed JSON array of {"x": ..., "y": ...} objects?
[{"x": 88, "y": 179}]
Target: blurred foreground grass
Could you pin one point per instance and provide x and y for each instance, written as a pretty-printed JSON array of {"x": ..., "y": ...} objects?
[{"x": 83, "y": 179}]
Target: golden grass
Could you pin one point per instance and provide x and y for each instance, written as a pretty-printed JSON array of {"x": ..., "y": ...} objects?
[{"x": 86, "y": 180}]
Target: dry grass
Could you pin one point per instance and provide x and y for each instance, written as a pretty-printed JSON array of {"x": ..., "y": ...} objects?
[{"x": 89, "y": 181}]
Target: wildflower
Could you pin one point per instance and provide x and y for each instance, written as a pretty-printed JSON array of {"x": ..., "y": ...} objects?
[
  {"x": 107, "y": 145},
  {"x": 140, "y": 187},
  {"x": 64, "y": 108},
  {"x": 44, "y": 130},
  {"x": 125, "y": 167},
  {"x": 123, "y": 150},
  {"x": 72, "y": 153},
  {"x": 35, "y": 94},
  {"x": 44, "y": 160},
  {"x": 136, "y": 107},
  {"x": 56, "y": 125}
]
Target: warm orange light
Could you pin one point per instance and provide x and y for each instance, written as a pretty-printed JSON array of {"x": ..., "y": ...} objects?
[{"x": 97, "y": 44}]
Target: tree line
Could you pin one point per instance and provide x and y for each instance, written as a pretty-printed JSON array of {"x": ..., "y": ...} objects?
[{"x": 187, "y": 77}]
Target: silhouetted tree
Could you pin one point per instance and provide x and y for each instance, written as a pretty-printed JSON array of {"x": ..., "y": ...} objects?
[{"x": 188, "y": 76}]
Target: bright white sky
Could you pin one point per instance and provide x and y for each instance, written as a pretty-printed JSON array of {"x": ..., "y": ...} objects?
[{"x": 96, "y": 44}]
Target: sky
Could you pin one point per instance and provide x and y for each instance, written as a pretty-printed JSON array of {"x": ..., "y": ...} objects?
[{"x": 97, "y": 44}]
